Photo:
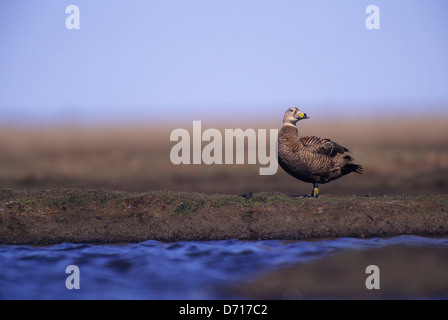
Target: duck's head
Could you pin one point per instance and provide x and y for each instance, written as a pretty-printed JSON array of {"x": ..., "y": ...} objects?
[{"x": 292, "y": 115}]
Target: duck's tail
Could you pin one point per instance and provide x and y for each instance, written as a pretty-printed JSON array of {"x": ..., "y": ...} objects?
[{"x": 351, "y": 167}]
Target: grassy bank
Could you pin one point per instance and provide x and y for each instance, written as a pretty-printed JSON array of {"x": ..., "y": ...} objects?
[{"x": 99, "y": 216}]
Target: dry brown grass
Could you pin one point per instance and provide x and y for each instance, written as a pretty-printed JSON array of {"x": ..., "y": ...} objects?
[{"x": 399, "y": 157}]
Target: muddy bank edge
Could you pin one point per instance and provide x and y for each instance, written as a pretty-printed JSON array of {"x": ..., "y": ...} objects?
[{"x": 99, "y": 216}]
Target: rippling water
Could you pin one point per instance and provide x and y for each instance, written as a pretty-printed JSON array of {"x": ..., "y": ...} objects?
[{"x": 157, "y": 270}]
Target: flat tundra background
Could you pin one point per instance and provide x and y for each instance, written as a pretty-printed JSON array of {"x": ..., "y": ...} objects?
[{"x": 401, "y": 156}]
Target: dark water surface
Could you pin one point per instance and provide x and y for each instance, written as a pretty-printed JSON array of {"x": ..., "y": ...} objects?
[{"x": 157, "y": 270}]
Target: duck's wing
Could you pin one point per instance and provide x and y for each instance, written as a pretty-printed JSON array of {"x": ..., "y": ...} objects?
[{"x": 322, "y": 146}]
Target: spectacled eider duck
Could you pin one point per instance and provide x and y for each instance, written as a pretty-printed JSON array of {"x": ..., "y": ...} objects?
[{"x": 311, "y": 159}]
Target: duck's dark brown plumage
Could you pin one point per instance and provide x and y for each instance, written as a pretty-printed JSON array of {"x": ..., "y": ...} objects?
[{"x": 311, "y": 159}]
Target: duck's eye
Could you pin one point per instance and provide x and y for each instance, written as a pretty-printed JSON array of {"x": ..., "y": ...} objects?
[{"x": 301, "y": 115}]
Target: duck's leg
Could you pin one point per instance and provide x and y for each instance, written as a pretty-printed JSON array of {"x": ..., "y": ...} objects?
[{"x": 315, "y": 192}]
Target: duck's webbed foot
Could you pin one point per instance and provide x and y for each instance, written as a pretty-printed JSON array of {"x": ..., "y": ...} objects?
[{"x": 315, "y": 192}]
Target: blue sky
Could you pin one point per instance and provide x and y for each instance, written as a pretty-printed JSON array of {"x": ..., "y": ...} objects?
[{"x": 144, "y": 60}]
